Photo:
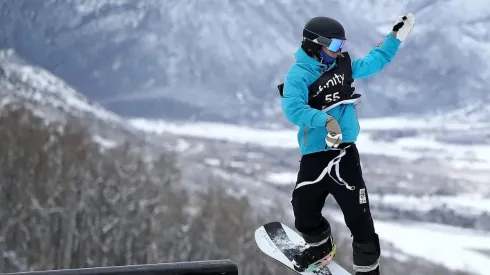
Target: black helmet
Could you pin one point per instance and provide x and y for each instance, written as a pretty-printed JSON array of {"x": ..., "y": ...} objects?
[
  {"x": 324, "y": 27},
  {"x": 319, "y": 29}
]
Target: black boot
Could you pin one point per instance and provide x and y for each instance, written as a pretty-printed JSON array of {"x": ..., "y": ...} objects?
[{"x": 315, "y": 255}]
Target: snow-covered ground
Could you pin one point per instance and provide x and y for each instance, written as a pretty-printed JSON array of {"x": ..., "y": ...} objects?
[
  {"x": 467, "y": 203},
  {"x": 422, "y": 145},
  {"x": 453, "y": 247},
  {"x": 470, "y": 203},
  {"x": 281, "y": 178},
  {"x": 220, "y": 131}
]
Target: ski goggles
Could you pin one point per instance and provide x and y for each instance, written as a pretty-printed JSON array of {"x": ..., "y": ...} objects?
[{"x": 333, "y": 44}]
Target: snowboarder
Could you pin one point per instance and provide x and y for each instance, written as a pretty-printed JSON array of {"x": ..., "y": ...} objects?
[{"x": 318, "y": 96}]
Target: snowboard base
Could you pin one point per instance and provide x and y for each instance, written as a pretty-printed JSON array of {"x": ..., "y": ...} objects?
[{"x": 281, "y": 243}]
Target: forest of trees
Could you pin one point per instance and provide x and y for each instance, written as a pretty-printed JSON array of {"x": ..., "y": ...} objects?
[{"x": 66, "y": 202}]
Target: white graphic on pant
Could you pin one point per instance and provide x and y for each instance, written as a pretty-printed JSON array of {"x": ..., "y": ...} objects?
[{"x": 362, "y": 196}]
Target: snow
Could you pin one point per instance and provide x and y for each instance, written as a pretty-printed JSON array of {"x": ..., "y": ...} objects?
[
  {"x": 182, "y": 145},
  {"x": 237, "y": 164},
  {"x": 395, "y": 255},
  {"x": 104, "y": 142},
  {"x": 282, "y": 178},
  {"x": 469, "y": 203},
  {"x": 422, "y": 145},
  {"x": 410, "y": 123},
  {"x": 212, "y": 161},
  {"x": 423, "y": 240},
  {"x": 453, "y": 247},
  {"x": 47, "y": 89},
  {"x": 460, "y": 156},
  {"x": 430, "y": 241},
  {"x": 220, "y": 131}
]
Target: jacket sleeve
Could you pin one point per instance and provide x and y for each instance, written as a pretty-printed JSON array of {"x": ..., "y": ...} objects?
[
  {"x": 295, "y": 106},
  {"x": 377, "y": 58}
]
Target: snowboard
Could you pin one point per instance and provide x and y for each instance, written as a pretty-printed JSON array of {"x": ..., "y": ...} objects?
[{"x": 280, "y": 242}]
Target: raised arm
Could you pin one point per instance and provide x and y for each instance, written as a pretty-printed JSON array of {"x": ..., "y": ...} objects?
[
  {"x": 384, "y": 52},
  {"x": 377, "y": 58}
]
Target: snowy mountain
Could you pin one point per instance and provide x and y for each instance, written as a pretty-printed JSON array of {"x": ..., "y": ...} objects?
[
  {"x": 53, "y": 99},
  {"x": 221, "y": 60},
  {"x": 256, "y": 160},
  {"x": 426, "y": 160},
  {"x": 21, "y": 81}
]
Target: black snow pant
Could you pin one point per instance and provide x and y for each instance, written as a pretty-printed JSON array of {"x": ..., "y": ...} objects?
[{"x": 336, "y": 172}]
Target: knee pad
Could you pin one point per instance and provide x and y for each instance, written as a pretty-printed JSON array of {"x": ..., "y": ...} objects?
[{"x": 366, "y": 254}]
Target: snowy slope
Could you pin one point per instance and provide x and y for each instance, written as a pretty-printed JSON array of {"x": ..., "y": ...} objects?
[
  {"x": 20, "y": 81},
  {"x": 402, "y": 160},
  {"x": 53, "y": 99},
  {"x": 419, "y": 225},
  {"x": 394, "y": 145},
  {"x": 222, "y": 63},
  {"x": 456, "y": 248},
  {"x": 416, "y": 145}
]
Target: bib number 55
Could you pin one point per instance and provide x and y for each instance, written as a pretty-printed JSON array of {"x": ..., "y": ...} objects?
[{"x": 332, "y": 97}]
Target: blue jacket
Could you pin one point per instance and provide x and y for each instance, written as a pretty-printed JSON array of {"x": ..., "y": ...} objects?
[{"x": 311, "y": 122}]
